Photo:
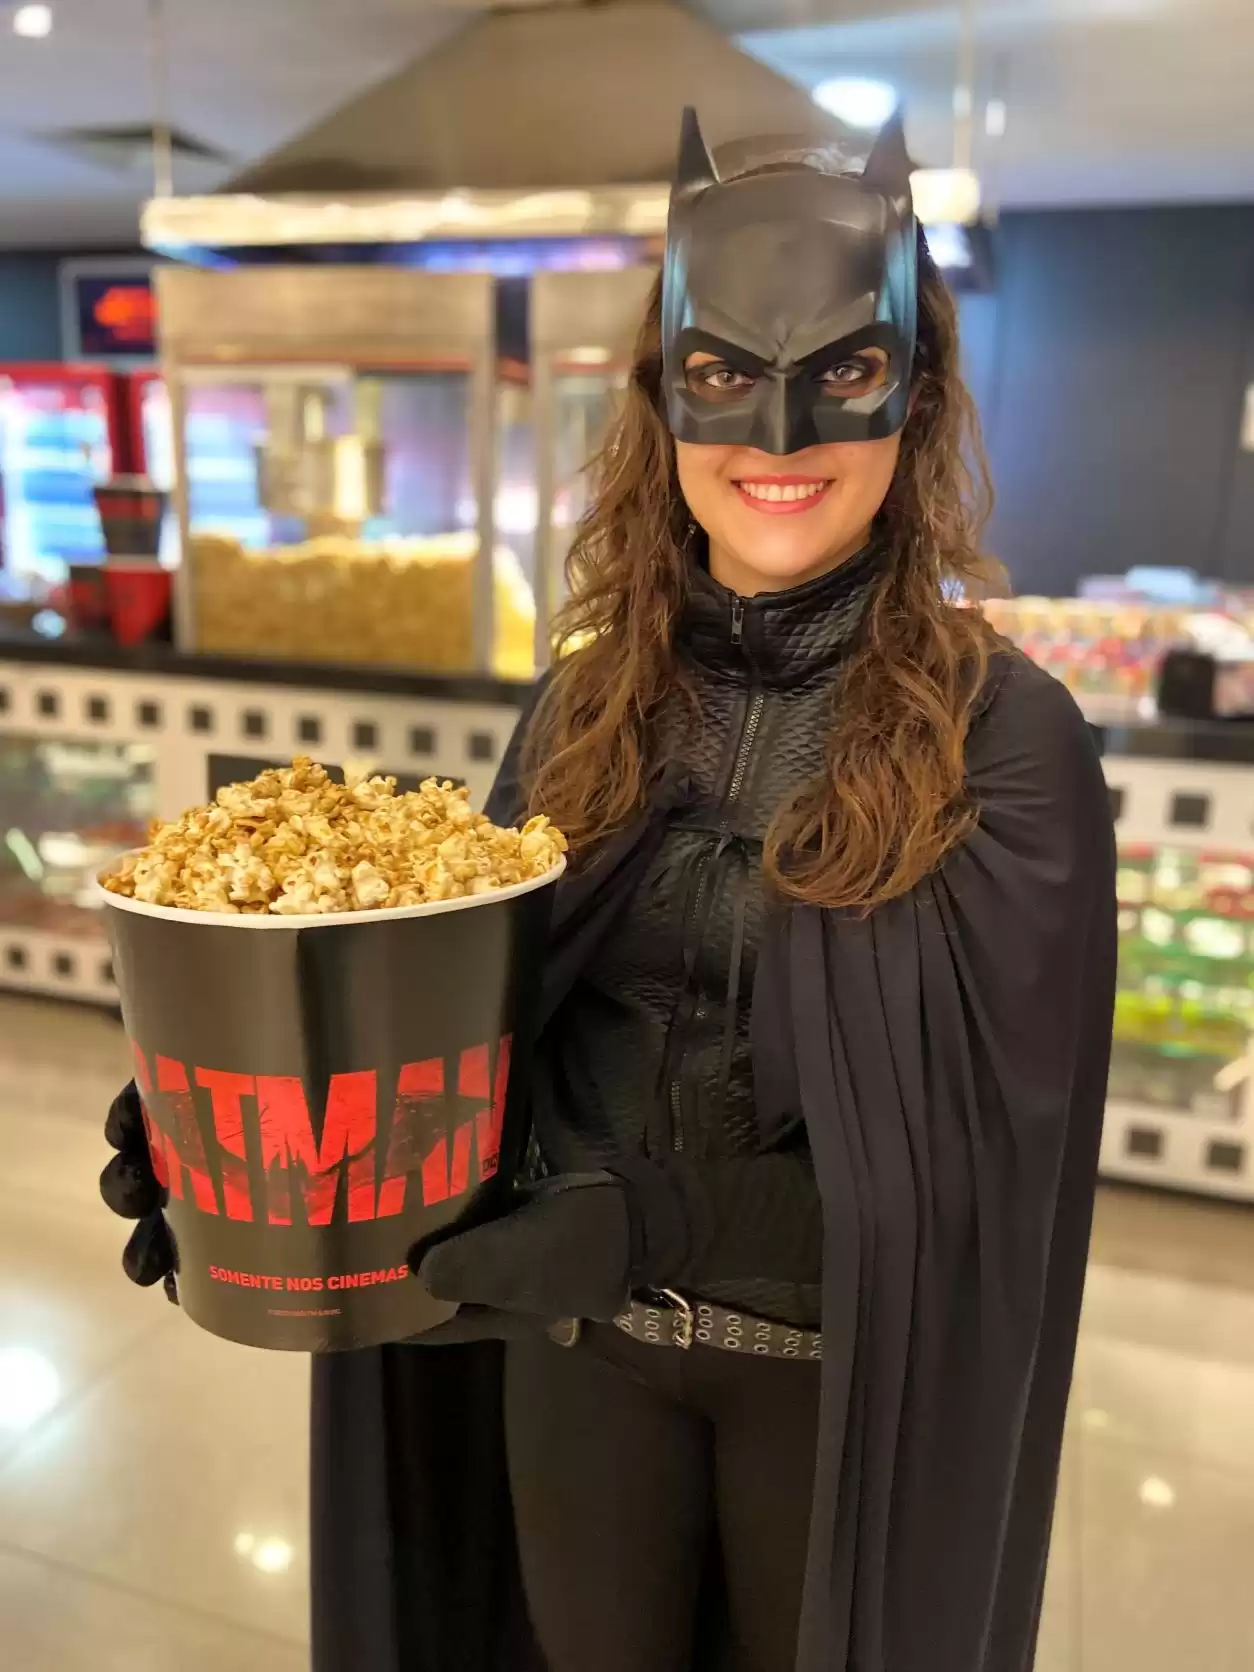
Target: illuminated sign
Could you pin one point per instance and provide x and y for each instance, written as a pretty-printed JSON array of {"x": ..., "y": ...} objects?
[
  {"x": 116, "y": 316},
  {"x": 108, "y": 309},
  {"x": 126, "y": 314}
]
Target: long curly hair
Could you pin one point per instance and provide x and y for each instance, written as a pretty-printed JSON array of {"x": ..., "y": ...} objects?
[{"x": 891, "y": 798}]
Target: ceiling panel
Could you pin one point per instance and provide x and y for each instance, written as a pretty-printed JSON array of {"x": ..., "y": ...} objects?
[
  {"x": 1108, "y": 100},
  {"x": 244, "y": 75},
  {"x": 1135, "y": 100}
]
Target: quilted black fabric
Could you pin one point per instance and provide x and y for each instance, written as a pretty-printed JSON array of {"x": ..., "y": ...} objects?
[{"x": 651, "y": 1052}]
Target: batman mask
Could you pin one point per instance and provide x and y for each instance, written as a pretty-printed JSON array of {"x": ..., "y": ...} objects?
[{"x": 789, "y": 300}]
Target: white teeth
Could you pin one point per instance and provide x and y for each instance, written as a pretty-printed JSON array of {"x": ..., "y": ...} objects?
[{"x": 777, "y": 493}]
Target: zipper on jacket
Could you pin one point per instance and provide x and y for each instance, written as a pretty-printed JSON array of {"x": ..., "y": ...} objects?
[
  {"x": 738, "y": 621},
  {"x": 677, "y": 1118},
  {"x": 697, "y": 916},
  {"x": 753, "y": 722}
]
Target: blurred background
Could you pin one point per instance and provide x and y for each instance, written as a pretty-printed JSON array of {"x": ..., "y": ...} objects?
[{"x": 310, "y": 313}]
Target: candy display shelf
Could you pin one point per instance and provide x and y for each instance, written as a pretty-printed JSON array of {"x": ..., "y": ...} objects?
[
  {"x": 1181, "y": 1105},
  {"x": 1109, "y": 653}
]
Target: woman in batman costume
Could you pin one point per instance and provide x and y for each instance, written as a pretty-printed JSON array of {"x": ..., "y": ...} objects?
[{"x": 767, "y": 1370}]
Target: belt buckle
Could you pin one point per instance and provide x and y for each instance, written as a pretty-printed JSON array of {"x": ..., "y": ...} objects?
[{"x": 685, "y": 1329}]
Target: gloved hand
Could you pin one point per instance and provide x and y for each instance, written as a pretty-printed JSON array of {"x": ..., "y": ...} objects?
[
  {"x": 564, "y": 1252},
  {"x": 575, "y": 1247},
  {"x": 129, "y": 1186}
]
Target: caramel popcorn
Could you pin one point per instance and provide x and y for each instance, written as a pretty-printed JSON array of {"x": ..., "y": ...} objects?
[
  {"x": 295, "y": 843},
  {"x": 395, "y": 602}
]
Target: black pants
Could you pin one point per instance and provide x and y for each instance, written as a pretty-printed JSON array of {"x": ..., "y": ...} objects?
[{"x": 624, "y": 1461}]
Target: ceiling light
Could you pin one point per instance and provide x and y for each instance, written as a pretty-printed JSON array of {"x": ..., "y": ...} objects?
[
  {"x": 949, "y": 247},
  {"x": 857, "y": 102},
  {"x": 946, "y": 195},
  {"x": 267, "y": 1555},
  {"x": 33, "y": 23},
  {"x": 29, "y": 1387},
  {"x": 1156, "y": 1493},
  {"x": 273, "y": 1555},
  {"x": 995, "y": 117}
]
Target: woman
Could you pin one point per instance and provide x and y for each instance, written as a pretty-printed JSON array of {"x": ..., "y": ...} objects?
[{"x": 789, "y": 1313}]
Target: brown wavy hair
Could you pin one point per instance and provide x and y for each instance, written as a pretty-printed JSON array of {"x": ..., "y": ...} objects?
[{"x": 891, "y": 799}]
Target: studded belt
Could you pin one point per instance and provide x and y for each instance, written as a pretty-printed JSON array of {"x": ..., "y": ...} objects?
[{"x": 665, "y": 1319}]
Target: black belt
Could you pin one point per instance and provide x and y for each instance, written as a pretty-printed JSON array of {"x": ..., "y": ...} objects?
[{"x": 666, "y": 1319}]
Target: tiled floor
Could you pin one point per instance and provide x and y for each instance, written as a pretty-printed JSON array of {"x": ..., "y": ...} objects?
[
  {"x": 1154, "y": 1536},
  {"x": 152, "y": 1479},
  {"x": 155, "y": 1515}
]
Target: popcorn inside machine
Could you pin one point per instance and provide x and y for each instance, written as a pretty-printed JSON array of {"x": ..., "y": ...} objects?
[{"x": 334, "y": 431}]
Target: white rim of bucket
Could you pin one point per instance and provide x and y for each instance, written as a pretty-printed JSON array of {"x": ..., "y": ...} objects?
[{"x": 326, "y": 920}]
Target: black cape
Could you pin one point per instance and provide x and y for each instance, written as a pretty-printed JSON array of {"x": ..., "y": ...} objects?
[{"x": 951, "y": 1053}]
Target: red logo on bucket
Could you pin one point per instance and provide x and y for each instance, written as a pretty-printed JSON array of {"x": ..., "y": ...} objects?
[{"x": 438, "y": 1136}]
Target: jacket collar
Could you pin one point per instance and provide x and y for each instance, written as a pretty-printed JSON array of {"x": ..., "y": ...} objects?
[{"x": 778, "y": 639}]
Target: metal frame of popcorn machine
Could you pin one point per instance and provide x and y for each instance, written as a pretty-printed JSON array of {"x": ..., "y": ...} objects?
[
  {"x": 583, "y": 327},
  {"x": 288, "y": 390}
]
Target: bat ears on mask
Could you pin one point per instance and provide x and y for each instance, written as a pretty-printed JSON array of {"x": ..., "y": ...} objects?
[
  {"x": 887, "y": 169},
  {"x": 695, "y": 171}
]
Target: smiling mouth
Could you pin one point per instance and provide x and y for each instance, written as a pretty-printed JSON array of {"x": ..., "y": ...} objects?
[{"x": 782, "y": 494}]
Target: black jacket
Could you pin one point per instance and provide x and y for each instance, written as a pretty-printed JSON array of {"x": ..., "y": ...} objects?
[
  {"x": 949, "y": 1053},
  {"x": 650, "y": 1053}
]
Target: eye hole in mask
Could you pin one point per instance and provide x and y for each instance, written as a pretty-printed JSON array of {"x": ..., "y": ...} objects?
[{"x": 716, "y": 381}]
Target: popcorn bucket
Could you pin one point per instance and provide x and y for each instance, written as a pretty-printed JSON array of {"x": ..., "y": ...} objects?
[{"x": 321, "y": 1093}]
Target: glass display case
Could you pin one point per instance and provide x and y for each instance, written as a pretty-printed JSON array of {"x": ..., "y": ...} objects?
[
  {"x": 1107, "y": 654},
  {"x": 66, "y": 809},
  {"x": 585, "y": 402},
  {"x": 55, "y": 446},
  {"x": 583, "y": 326},
  {"x": 579, "y": 404},
  {"x": 1184, "y": 1009},
  {"x": 1109, "y": 648},
  {"x": 334, "y": 430},
  {"x": 332, "y": 515}
]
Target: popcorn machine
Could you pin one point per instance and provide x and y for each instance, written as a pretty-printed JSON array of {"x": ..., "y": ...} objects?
[
  {"x": 344, "y": 512},
  {"x": 583, "y": 327}
]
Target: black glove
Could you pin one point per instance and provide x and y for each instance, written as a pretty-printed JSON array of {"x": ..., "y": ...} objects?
[
  {"x": 579, "y": 1244},
  {"x": 565, "y": 1252},
  {"x": 576, "y": 1247},
  {"x": 130, "y": 1187}
]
